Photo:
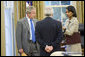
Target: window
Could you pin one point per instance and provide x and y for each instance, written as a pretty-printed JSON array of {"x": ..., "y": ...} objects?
[
  {"x": 9, "y": 28},
  {"x": 59, "y": 8}
]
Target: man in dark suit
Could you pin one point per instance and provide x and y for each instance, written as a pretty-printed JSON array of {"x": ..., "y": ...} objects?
[
  {"x": 48, "y": 34},
  {"x": 25, "y": 34}
]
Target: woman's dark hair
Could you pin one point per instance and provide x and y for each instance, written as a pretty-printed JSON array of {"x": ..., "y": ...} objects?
[{"x": 72, "y": 9}]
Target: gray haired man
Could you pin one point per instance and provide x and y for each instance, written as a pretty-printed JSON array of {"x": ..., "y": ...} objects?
[
  {"x": 25, "y": 34},
  {"x": 48, "y": 33}
]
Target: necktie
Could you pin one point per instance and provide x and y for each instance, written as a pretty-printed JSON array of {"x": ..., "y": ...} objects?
[{"x": 33, "y": 32}]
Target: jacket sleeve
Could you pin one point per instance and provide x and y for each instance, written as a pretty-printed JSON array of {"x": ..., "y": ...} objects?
[
  {"x": 19, "y": 34},
  {"x": 59, "y": 35},
  {"x": 70, "y": 31}
]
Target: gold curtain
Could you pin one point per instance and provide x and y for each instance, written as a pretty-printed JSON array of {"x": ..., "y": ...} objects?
[
  {"x": 19, "y": 13},
  {"x": 15, "y": 21},
  {"x": 39, "y": 5},
  {"x": 3, "y": 45},
  {"x": 21, "y": 9},
  {"x": 80, "y": 11}
]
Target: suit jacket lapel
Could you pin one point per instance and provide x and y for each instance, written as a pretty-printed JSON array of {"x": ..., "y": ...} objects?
[{"x": 27, "y": 24}]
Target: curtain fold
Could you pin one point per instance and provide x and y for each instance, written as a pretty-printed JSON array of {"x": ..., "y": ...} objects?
[
  {"x": 21, "y": 9},
  {"x": 19, "y": 13},
  {"x": 80, "y": 11},
  {"x": 39, "y": 5},
  {"x": 3, "y": 43}
]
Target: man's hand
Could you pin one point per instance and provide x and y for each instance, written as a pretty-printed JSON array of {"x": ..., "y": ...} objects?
[
  {"x": 48, "y": 48},
  {"x": 51, "y": 48},
  {"x": 20, "y": 50}
]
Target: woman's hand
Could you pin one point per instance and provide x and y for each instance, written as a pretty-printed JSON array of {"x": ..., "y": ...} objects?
[{"x": 63, "y": 28}]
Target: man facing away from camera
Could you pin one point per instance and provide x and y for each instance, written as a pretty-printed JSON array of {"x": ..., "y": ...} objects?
[{"x": 48, "y": 33}]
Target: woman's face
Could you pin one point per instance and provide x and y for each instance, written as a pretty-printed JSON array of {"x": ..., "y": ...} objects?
[{"x": 69, "y": 13}]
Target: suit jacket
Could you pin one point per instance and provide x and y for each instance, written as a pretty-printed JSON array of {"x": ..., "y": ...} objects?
[
  {"x": 49, "y": 32},
  {"x": 23, "y": 35},
  {"x": 71, "y": 26},
  {"x": 72, "y": 34}
]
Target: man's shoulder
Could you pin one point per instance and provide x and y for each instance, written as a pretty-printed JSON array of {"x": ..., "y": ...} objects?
[
  {"x": 35, "y": 20},
  {"x": 52, "y": 20},
  {"x": 57, "y": 21},
  {"x": 38, "y": 22},
  {"x": 22, "y": 19},
  {"x": 43, "y": 20}
]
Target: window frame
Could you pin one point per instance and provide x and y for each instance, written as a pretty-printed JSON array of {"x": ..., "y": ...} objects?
[{"x": 73, "y": 3}]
